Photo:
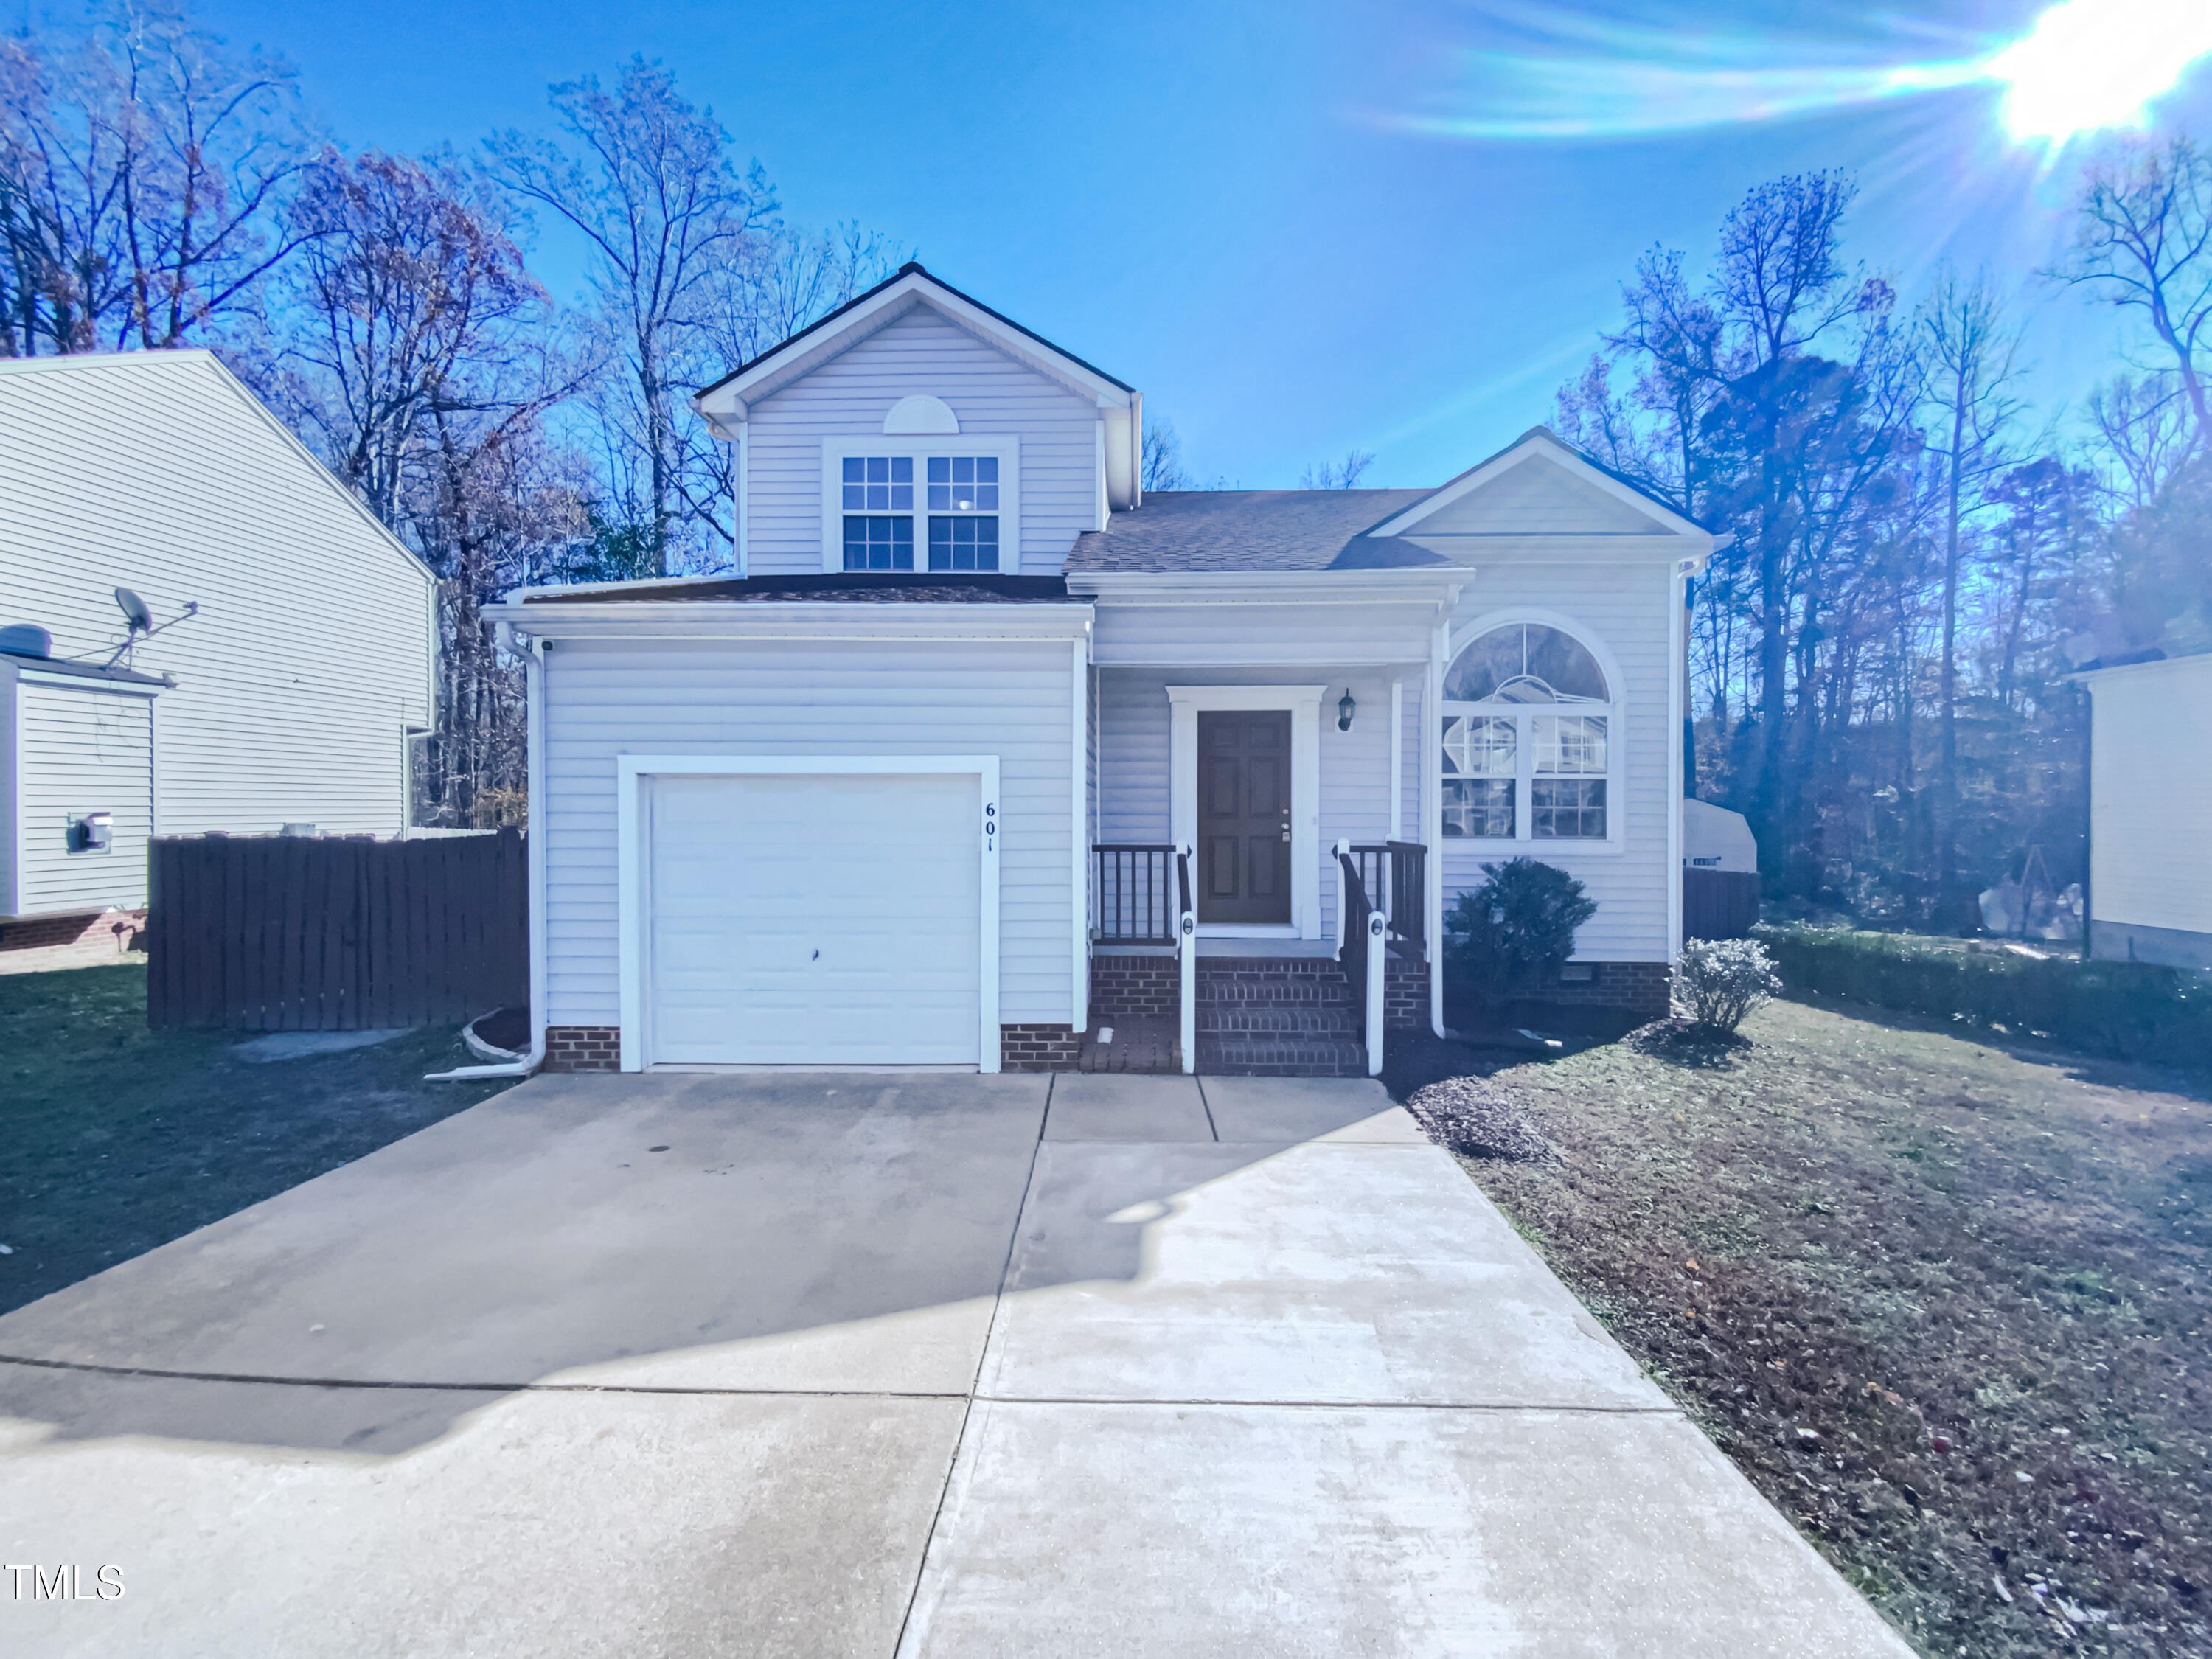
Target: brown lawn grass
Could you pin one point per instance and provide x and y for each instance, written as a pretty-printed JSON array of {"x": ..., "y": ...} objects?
[{"x": 1944, "y": 1301}]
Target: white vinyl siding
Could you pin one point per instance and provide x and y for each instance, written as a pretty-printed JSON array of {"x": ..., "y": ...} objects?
[
  {"x": 311, "y": 650},
  {"x": 1012, "y": 699},
  {"x": 1355, "y": 766},
  {"x": 1217, "y": 635},
  {"x": 2150, "y": 795},
  {"x": 80, "y": 751},
  {"x": 1537, "y": 497},
  {"x": 993, "y": 396},
  {"x": 1627, "y": 609},
  {"x": 1622, "y": 605}
]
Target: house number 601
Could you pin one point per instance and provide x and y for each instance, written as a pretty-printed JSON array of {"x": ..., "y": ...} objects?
[{"x": 990, "y": 826}]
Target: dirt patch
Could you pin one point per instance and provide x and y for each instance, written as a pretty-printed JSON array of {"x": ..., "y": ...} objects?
[{"x": 1944, "y": 1301}]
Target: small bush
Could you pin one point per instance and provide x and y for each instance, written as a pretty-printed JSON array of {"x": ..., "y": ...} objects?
[
  {"x": 2129, "y": 1010},
  {"x": 1719, "y": 980},
  {"x": 1511, "y": 935}
]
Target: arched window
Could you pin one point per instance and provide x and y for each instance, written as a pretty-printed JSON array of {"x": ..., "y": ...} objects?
[{"x": 1528, "y": 739}]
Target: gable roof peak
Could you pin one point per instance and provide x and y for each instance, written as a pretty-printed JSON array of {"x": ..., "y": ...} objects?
[
  {"x": 1669, "y": 518},
  {"x": 911, "y": 281}
]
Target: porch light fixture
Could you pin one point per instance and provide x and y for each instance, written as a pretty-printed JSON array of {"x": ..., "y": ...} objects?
[{"x": 1345, "y": 709}]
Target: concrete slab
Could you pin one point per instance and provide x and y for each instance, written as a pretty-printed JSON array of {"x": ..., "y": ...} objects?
[
  {"x": 1110, "y": 1106},
  {"x": 530, "y": 1524},
  {"x": 810, "y": 1231},
  {"x": 1354, "y": 1110},
  {"x": 1078, "y": 1530},
  {"x": 1284, "y": 1396},
  {"x": 1354, "y": 1274}
]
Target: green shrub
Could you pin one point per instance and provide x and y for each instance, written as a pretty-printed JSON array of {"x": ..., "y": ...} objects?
[
  {"x": 2129, "y": 1011},
  {"x": 1511, "y": 935},
  {"x": 1720, "y": 980}
]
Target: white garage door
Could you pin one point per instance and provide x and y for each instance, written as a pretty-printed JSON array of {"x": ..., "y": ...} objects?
[{"x": 814, "y": 921}]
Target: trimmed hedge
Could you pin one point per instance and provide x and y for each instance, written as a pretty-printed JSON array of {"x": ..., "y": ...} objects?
[{"x": 2125, "y": 1010}]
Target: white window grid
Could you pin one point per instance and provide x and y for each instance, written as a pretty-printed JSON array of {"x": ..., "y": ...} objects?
[{"x": 957, "y": 500}]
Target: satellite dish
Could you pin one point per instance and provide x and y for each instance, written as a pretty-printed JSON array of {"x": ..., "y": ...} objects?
[{"x": 134, "y": 612}]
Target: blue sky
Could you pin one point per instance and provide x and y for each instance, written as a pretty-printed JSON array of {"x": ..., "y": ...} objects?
[{"x": 1291, "y": 223}]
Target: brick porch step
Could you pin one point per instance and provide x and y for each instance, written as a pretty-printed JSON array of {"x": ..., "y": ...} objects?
[
  {"x": 1329, "y": 1019},
  {"x": 1277, "y": 1017},
  {"x": 1280, "y": 1056}
]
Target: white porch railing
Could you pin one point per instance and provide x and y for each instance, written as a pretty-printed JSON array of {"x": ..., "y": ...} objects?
[
  {"x": 1187, "y": 960},
  {"x": 1362, "y": 951},
  {"x": 1377, "y": 972}
]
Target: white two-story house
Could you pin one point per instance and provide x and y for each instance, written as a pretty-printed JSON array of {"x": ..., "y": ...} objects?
[
  {"x": 290, "y": 668},
  {"x": 984, "y": 748}
]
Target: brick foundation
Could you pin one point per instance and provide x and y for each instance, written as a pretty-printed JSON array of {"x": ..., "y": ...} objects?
[
  {"x": 583, "y": 1049},
  {"x": 1641, "y": 988},
  {"x": 1150, "y": 987},
  {"x": 1039, "y": 1048},
  {"x": 1135, "y": 988},
  {"x": 98, "y": 932},
  {"x": 1404, "y": 996}
]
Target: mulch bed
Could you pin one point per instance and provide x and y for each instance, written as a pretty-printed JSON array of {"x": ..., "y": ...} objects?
[{"x": 1946, "y": 1302}]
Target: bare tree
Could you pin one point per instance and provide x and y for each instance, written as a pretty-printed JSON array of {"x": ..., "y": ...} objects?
[
  {"x": 2146, "y": 431},
  {"x": 144, "y": 174},
  {"x": 1163, "y": 468},
  {"x": 789, "y": 277},
  {"x": 422, "y": 355},
  {"x": 1337, "y": 474},
  {"x": 1780, "y": 281},
  {"x": 1971, "y": 358},
  {"x": 2144, "y": 244},
  {"x": 410, "y": 306},
  {"x": 648, "y": 181}
]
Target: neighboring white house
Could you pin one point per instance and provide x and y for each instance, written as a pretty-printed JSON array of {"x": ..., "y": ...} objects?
[
  {"x": 906, "y": 790},
  {"x": 2150, "y": 795},
  {"x": 290, "y": 695}
]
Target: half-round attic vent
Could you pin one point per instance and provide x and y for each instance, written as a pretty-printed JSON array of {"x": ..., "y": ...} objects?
[
  {"x": 920, "y": 413},
  {"x": 26, "y": 640}
]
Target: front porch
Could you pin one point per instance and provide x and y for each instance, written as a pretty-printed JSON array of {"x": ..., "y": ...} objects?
[{"x": 1171, "y": 994}]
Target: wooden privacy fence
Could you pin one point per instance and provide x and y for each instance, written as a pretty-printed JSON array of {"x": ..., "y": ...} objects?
[
  {"x": 1719, "y": 903},
  {"x": 295, "y": 933}
]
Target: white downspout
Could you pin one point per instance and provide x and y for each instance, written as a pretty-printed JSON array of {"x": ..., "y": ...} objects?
[
  {"x": 534, "y": 841},
  {"x": 1432, "y": 817}
]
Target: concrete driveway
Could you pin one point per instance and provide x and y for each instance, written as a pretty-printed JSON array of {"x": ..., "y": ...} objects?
[{"x": 838, "y": 1364}]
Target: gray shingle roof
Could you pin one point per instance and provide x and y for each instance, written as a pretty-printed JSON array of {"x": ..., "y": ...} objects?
[
  {"x": 909, "y": 587},
  {"x": 1253, "y": 530}
]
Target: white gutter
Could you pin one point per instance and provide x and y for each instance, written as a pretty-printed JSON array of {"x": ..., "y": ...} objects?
[{"x": 534, "y": 775}]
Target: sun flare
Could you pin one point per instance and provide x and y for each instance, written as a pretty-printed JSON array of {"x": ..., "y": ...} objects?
[
  {"x": 2088, "y": 64},
  {"x": 2083, "y": 66}
]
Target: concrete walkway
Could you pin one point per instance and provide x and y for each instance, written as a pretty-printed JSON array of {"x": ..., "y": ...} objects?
[{"x": 914, "y": 1365}]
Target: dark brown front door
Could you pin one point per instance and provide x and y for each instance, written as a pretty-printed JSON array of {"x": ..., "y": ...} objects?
[{"x": 1244, "y": 816}]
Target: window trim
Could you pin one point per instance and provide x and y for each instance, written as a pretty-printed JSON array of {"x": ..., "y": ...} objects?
[
  {"x": 1006, "y": 450},
  {"x": 1614, "y": 712}
]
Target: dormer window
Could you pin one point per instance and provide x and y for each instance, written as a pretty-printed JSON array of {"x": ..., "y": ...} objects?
[{"x": 926, "y": 503}]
